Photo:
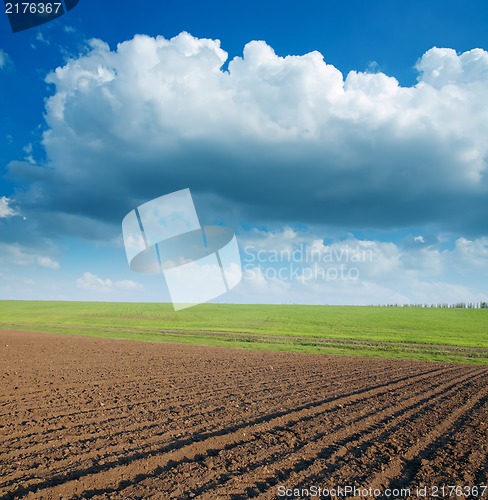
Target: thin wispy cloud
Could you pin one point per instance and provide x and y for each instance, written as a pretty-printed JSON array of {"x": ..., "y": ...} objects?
[{"x": 3, "y": 59}]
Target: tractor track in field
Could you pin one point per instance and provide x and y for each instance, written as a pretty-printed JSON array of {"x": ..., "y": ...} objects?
[{"x": 468, "y": 353}]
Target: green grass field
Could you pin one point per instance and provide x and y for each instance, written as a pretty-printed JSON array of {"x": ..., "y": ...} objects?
[{"x": 459, "y": 335}]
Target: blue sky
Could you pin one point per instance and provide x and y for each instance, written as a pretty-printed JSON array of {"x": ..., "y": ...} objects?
[{"x": 357, "y": 130}]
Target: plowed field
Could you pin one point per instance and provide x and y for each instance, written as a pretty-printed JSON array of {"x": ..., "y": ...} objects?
[{"x": 98, "y": 418}]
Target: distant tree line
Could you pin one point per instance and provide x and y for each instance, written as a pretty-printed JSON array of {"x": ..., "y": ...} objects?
[{"x": 445, "y": 305}]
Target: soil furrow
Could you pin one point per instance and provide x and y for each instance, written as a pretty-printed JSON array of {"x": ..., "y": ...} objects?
[
  {"x": 403, "y": 463},
  {"x": 305, "y": 461},
  {"x": 275, "y": 391},
  {"x": 158, "y": 459}
]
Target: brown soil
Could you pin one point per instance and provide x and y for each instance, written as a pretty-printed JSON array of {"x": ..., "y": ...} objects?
[{"x": 97, "y": 418}]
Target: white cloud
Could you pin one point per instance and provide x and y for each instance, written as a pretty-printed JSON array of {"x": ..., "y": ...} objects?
[
  {"x": 471, "y": 254},
  {"x": 3, "y": 59},
  {"x": 128, "y": 285},
  {"x": 5, "y": 209},
  {"x": 283, "y": 138},
  {"x": 355, "y": 271},
  {"x": 92, "y": 282},
  {"x": 40, "y": 38},
  {"x": 18, "y": 255},
  {"x": 444, "y": 67},
  {"x": 48, "y": 263},
  {"x": 272, "y": 139}
]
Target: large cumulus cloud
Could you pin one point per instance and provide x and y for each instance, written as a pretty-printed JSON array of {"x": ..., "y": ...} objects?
[{"x": 277, "y": 139}]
